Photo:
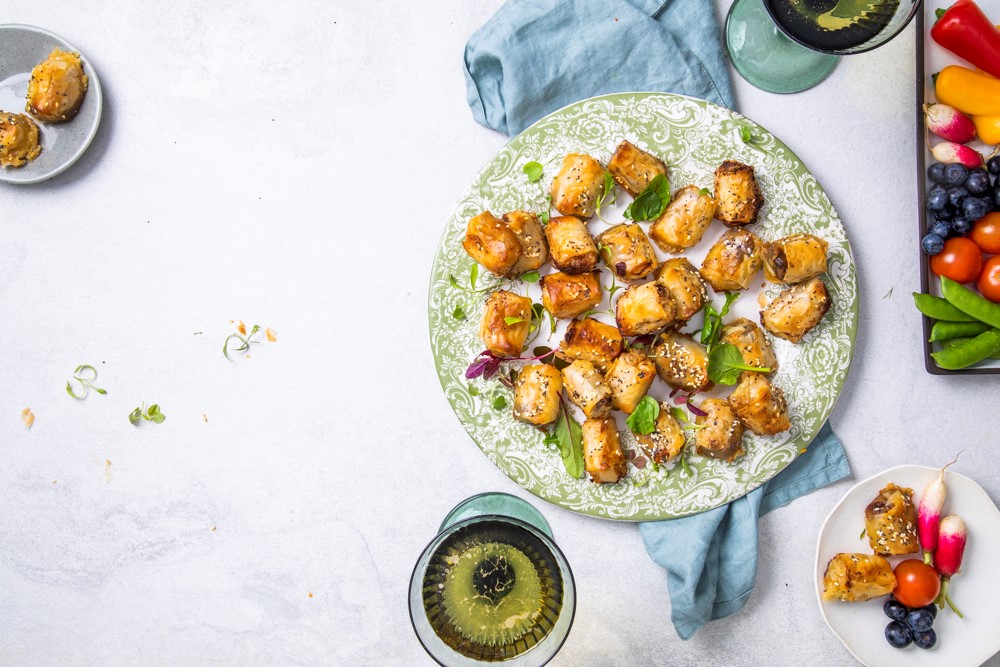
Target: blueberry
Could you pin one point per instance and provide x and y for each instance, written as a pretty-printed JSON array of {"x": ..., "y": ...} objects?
[
  {"x": 932, "y": 244},
  {"x": 937, "y": 199},
  {"x": 957, "y": 195},
  {"x": 974, "y": 208},
  {"x": 947, "y": 214},
  {"x": 978, "y": 182},
  {"x": 993, "y": 165},
  {"x": 941, "y": 228},
  {"x": 920, "y": 620},
  {"x": 935, "y": 172},
  {"x": 996, "y": 197},
  {"x": 961, "y": 225},
  {"x": 988, "y": 202},
  {"x": 955, "y": 174},
  {"x": 924, "y": 638},
  {"x": 930, "y": 609},
  {"x": 898, "y": 634},
  {"x": 895, "y": 609}
]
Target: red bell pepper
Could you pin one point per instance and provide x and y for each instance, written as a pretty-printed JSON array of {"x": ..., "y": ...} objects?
[{"x": 965, "y": 30}]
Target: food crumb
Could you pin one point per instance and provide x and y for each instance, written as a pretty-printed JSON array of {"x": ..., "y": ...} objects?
[
  {"x": 204, "y": 417},
  {"x": 213, "y": 529},
  {"x": 242, "y": 328},
  {"x": 272, "y": 336},
  {"x": 310, "y": 594},
  {"x": 107, "y": 471},
  {"x": 28, "y": 417}
]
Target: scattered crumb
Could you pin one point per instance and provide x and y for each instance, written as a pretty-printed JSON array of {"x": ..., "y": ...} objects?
[
  {"x": 107, "y": 471},
  {"x": 242, "y": 328},
  {"x": 272, "y": 336},
  {"x": 28, "y": 417},
  {"x": 53, "y": 481},
  {"x": 204, "y": 418},
  {"x": 246, "y": 356},
  {"x": 802, "y": 451},
  {"x": 762, "y": 300},
  {"x": 213, "y": 529},
  {"x": 310, "y": 595}
]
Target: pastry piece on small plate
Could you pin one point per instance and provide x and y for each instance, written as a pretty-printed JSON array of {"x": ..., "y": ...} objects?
[
  {"x": 891, "y": 522},
  {"x": 857, "y": 577}
]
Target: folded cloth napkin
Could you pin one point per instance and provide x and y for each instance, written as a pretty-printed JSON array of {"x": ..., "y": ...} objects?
[{"x": 536, "y": 56}]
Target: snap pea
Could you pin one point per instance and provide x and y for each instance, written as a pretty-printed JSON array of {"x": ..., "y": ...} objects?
[
  {"x": 967, "y": 353},
  {"x": 939, "y": 309},
  {"x": 958, "y": 341},
  {"x": 949, "y": 330},
  {"x": 971, "y": 303}
]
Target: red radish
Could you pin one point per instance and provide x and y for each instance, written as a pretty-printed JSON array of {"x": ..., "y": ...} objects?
[
  {"x": 948, "y": 556},
  {"x": 949, "y": 152},
  {"x": 949, "y": 123},
  {"x": 929, "y": 514}
]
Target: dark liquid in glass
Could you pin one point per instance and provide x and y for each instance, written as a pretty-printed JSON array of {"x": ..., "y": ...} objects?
[{"x": 833, "y": 25}]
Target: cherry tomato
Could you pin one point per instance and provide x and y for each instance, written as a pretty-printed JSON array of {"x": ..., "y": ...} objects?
[
  {"x": 989, "y": 279},
  {"x": 917, "y": 584},
  {"x": 961, "y": 260},
  {"x": 986, "y": 233}
]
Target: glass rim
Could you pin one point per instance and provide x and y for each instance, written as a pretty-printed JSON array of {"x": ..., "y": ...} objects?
[{"x": 843, "y": 52}]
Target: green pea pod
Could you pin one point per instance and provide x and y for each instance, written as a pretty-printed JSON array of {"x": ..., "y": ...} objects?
[
  {"x": 958, "y": 341},
  {"x": 949, "y": 330},
  {"x": 971, "y": 351},
  {"x": 970, "y": 303},
  {"x": 939, "y": 309}
]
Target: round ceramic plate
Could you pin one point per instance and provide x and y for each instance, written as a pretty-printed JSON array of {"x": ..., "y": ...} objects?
[
  {"x": 861, "y": 625},
  {"x": 692, "y": 137},
  {"x": 21, "y": 48}
]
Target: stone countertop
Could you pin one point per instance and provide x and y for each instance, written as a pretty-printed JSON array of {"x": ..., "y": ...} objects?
[{"x": 291, "y": 165}]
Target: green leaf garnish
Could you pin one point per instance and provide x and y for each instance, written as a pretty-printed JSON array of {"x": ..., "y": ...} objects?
[
  {"x": 510, "y": 320},
  {"x": 245, "y": 341},
  {"x": 651, "y": 202},
  {"x": 533, "y": 170},
  {"x": 530, "y": 277},
  {"x": 642, "y": 421},
  {"x": 725, "y": 363},
  {"x": 862, "y": 535},
  {"x": 745, "y": 134},
  {"x": 568, "y": 436},
  {"x": 84, "y": 375},
  {"x": 150, "y": 414},
  {"x": 609, "y": 189},
  {"x": 712, "y": 328},
  {"x": 704, "y": 192},
  {"x": 544, "y": 217},
  {"x": 458, "y": 313},
  {"x": 499, "y": 403},
  {"x": 473, "y": 275},
  {"x": 473, "y": 391},
  {"x": 135, "y": 416}
]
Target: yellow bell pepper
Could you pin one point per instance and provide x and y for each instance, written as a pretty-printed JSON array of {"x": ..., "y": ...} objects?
[
  {"x": 968, "y": 91},
  {"x": 988, "y": 129}
]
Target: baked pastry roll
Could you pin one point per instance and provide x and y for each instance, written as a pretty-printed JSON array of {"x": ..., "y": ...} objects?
[
  {"x": 644, "y": 309},
  {"x": 737, "y": 193},
  {"x": 686, "y": 286},
  {"x": 759, "y": 404},
  {"x": 794, "y": 312},
  {"x": 891, "y": 522},
  {"x": 633, "y": 168},
  {"x": 681, "y": 362},
  {"x": 666, "y": 442},
  {"x": 564, "y": 295},
  {"x": 57, "y": 87},
  {"x": 684, "y": 221},
  {"x": 857, "y": 577},
  {"x": 733, "y": 261},
  {"x": 603, "y": 457},
  {"x": 536, "y": 394},
  {"x": 794, "y": 258},
  {"x": 578, "y": 185},
  {"x": 751, "y": 342},
  {"x": 500, "y": 338},
  {"x": 18, "y": 139},
  {"x": 489, "y": 241},
  {"x": 587, "y": 389},
  {"x": 721, "y": 435},
  {"x": 571, "y": 247},
  {"x": 592, "y": 340},
  {"x": 529, "y": 232},
  {"x": 630, "y": 376},
  {"x": 627, "y": 251}
]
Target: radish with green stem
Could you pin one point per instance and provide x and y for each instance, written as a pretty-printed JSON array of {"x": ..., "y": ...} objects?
[
  {"x": 952, "y": 538},
  {"x": 929, "y": 514}
]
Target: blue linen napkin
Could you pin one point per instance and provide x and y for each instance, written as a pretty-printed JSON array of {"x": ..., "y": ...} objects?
[{"x": 535, "y": 56}]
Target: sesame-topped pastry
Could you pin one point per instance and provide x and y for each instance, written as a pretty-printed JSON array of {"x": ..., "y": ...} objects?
[
  {"x": 592, "y": 340},
  {"x": 793, "y": 313},
  {"x": 578, "y": 185},
  {"x": 627, "y": 251},
  {"x": 57, "y": 87},
  {"x": 586, "y": 388},
  {"x": 489, "y": 241},
  {"x": 537, "y": 394},
  {"x": 721, "y": 432},
  {"x": 751, "y": 342},
  {"x": 737, "y": 194},
  {"x": 891, "y": 522},
  {"x": 18, "y": 139},
  {"x": 684, "y": 221},
  {"x": 528, "y": 230},
  {"x": 633, "y": 168},
  {"x": 685, "y": 284},
  {"x": 666, "y": 441},
  {"x": 794, "y": 258},
  {"x": 680, "y": 361},
  {"x": 630, "y": 377},
  {"x": 857, "y": 577},
  {"x": 565, "y": 295},
  {"x": 503, "y": 339},
  {"x": 733, "y": 261},
  {"x": 571, "y": 247},
  {"x": 603, "y": 457}
]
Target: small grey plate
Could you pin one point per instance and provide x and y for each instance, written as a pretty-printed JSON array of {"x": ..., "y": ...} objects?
[{"x": 21, "y": 48}]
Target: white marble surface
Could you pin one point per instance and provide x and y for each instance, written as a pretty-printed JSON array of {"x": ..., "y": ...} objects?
[{"x": 253, "y": 157}]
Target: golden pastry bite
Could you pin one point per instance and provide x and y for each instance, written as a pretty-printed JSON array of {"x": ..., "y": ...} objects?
[
  {"x": 794, "y": 312},
  {"x": 759, "y": 404},
  {"x": 733, "y": 261},
  {"x": 684, "y": 221},
  {"x": 686, "y": 286},
  {"x": 681, "y": 362},
  {"x": 57, "y": 87},
  {"x": 721, "y": 435},
  {"x": 891, "y": 522},
  {"x": 489, "y": 241},
  {"x": 633, "y": 168},
  {"x": 592, "y": 340},
  {"x": 531, "y": 236},
  {"x": 630, "y": 376},
  {"x": 587, "y": 389},
  {"x": 564, "y": 295},
  {"x": 578, "y": 185},
  {"x": 644, "y": 309},
  {"x": 751, "y": 342},
  {"x": 666, "y": 441},
  {"x": 627, "y": 251},
  {"x": 857, "y": 577},
  {"x": 571, "y": 248},
  {"x": 536, "y": 394},
  {"x": 794, "y": 258},
  {"x": 18, "y": 139},
  {"x": 737, "y": 193},
  {"x": 603, "y": 457},
  {"x": 500, "y": 338}
]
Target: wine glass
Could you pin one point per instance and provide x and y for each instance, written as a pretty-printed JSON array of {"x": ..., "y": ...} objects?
[{"x": 787, "y": 46}]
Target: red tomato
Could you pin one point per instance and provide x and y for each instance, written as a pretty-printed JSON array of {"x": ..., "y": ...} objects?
[
  {"x": 961, "y": 260},
  {"x": 917, "y": 584},
  {"x": 986, "y": 233},
  {"x": 989, "y": 279}
]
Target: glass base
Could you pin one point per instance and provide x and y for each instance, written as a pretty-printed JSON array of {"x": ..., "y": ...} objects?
[
  {"x": 765, "y": 57},
  {"x": 502, "y": 504}
]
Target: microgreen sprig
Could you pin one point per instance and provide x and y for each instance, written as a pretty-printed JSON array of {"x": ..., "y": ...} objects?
[
  {"x": 150, "y": 414},
  {"x": 84, "y": 375},
  {"x": 245, "y": 339},
  {"x": 609, "y": 189}
]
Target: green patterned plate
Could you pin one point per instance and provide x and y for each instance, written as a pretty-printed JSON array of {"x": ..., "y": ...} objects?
[{"x": 693, "y": 137}]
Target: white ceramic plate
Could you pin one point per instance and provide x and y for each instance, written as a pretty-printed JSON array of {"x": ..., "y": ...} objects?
[
  {"x": 21, "y": 48},
  {"x": 975, "y": 589}
]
